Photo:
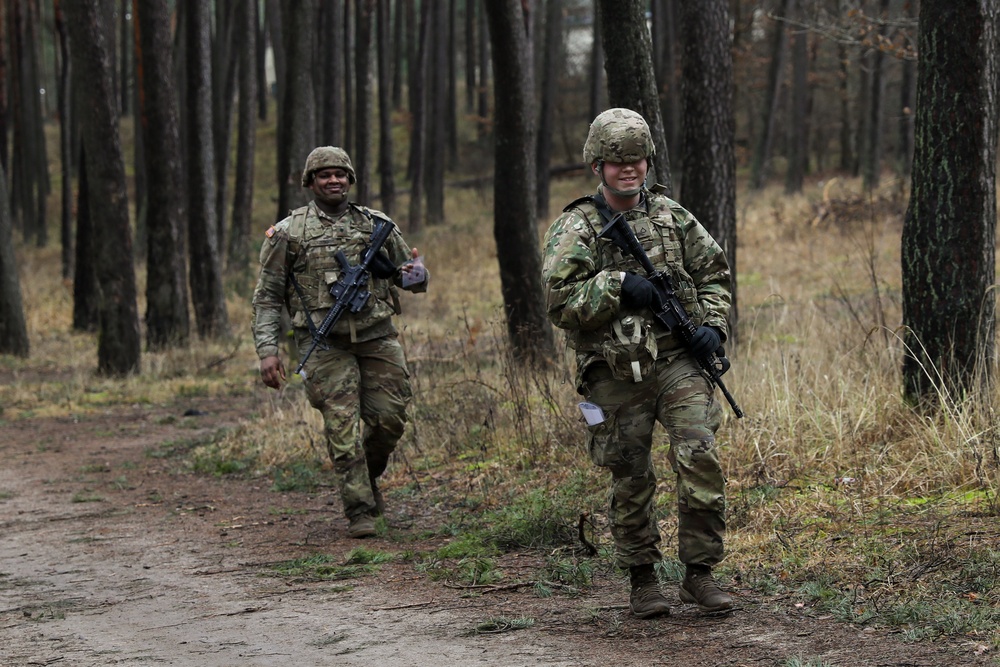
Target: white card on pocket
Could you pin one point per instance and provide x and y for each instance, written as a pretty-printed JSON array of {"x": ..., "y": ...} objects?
[{"x": 592, "y": 413}]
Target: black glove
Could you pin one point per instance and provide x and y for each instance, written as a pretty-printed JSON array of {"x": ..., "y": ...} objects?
[
  {"x": 381, "y": 267},
  {"x": 706, "y": 341},
  {"x": 637, "y": 292}
]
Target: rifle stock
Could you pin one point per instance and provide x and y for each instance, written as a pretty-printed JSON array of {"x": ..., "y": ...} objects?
[{"x": 667, "y": 307}]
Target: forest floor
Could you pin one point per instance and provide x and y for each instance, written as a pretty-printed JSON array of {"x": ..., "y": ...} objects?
[{"x": 113, "y": 553}]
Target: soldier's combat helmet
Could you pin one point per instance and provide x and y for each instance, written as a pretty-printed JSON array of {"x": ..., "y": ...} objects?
[
  {"x": 325, "y": 157},
  {"x": 618, "y": 135}
]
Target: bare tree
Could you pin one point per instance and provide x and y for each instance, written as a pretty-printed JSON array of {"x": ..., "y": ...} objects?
[
  {"x": 167, "y": 321},
  {"x": 597, "y": 92},
  {"x": 29, "y": 174},
  {"x": 118, "y": 348},
  {"x": 470, "y": 55},
  {"x": 872, "y": 168},
  {"x": 451, "y": 103},
  {"x": 437, "y": 114},
  {"x": 907, "y": 99},
  {"x": 483, "y": 92},
  {"x": 13, "y": 328},
  {"x": 628, "y": 60},
  {"x": 206, "y": 264},
  {"x": 665, "y": 64},
  {"x": 846, "y": 135},
  {"x": 385, "y": 62},
  {"x": 418, "y": 109},
  {"x": 224, "y": 66},
  {"x": 263, "y": 92},
  {"x": 124, "y": 14},
  {"x": 331, "y": 78},
  {"x": 65, "y": 142},
  {"x": 4, "y": 94},
  {"x": 362, "y": 156},
  {"x": 246, "y": 140},
  {"x": 775, "y": 76},
  {"x": 297, "y": 120},
  {"x": 798, "y": 125},
  {"x": 86, "y": 295},
  {"x": 348, "y": 52},
  {"x": 949, "y": 233},
  {"x": 551, "y": 66},
  {"x": 515, "y": 227}
]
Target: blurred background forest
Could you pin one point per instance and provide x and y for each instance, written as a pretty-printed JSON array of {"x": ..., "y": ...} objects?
[
  {"x": 150, "y": 144},
  {"x": 408, "y": 88}
]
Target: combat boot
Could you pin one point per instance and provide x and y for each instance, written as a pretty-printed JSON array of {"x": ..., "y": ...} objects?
[
  {"x": 699, "y": 587},
  {"x": 361, "y": 526},
  {"x": 646, "y": 600}
]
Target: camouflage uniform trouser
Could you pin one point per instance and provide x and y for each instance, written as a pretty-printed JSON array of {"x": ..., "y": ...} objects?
[
  {"x": 679, "y": 397},
  {"x": 350, "y": 383}
]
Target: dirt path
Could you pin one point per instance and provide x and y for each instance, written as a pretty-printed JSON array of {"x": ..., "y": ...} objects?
[{"x": 110, "y": 556}]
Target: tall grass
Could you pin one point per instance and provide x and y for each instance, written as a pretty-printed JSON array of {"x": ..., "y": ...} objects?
[{"x": 840, "y": 494}]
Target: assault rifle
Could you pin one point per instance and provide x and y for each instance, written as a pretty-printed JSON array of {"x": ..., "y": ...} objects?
[
  {"x": 350, "y": 292},
  {"x": 666, "y": 306}
]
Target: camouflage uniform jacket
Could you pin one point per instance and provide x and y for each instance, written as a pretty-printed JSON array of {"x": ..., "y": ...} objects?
[
  {"x": 581, "y": 273},
  {"x": 305, "y": 243}
]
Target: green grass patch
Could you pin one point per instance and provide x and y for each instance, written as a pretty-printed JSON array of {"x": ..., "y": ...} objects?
[
  {"x": 299, "y": 476},
  {"x": 324, "y": 567},
  {"x": 501, "y": 624}
]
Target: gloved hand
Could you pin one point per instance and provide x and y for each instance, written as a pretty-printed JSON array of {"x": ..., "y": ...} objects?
[
  {"x": 381, "y": 267},
  {"x": 706, "y": 340},
  {"x": 637, "y": 292}
]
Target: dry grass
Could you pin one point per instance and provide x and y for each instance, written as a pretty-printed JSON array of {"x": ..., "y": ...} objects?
[{"x": 832, "y": 477}]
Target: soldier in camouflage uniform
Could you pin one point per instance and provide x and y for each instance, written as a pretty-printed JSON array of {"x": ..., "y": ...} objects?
[
  {"x": 362, "y": 376},
  {"x": 634, "y": 369}
]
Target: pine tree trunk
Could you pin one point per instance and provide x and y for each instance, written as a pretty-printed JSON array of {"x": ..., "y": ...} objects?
[
  {"x": 798, "y": 137},
  {"x": 65, "y": 144},
  {"x": 167, "y": 320},
  {"x": 297, "y": 126},
  {"x": 206, "y": 265},
  {"x": 246, "y": 141},
  {"x": 13, "y": 328},
  {"x": 437, "y": 115},
  {"x": 362, "y": 156},
  {"x": 709, "y": 180},
  {"x": 628, "y": 61},
  {"x": 387, "y": 182},
  {"x": 949, "y": 233},
  {"x": 765, "y": 140},
  {"x": 515, "y": 227},
  {"x": 551, "y": 67},
  {"x": 85, "y": 290},
  {"x": 118, "y": 347}
]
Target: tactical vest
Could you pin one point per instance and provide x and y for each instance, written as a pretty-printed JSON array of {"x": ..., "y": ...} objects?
[
  {"x": 661, "y": 238},
  {"x": 313, "y": 242}
]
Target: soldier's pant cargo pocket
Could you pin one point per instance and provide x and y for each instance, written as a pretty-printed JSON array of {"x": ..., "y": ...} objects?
[{"x": 603, "y": 444}]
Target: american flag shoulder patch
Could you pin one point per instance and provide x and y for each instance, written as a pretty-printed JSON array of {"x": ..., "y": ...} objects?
[{"x": 270, "y": 231}]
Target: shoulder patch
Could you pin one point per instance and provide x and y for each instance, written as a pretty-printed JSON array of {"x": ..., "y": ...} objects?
[{"x": 281, "y": 226}]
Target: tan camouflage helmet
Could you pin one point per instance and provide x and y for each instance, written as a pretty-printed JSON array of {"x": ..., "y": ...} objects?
[
  {"x": 618, "y": 135},
  {"x": 325, "y": 157}
]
